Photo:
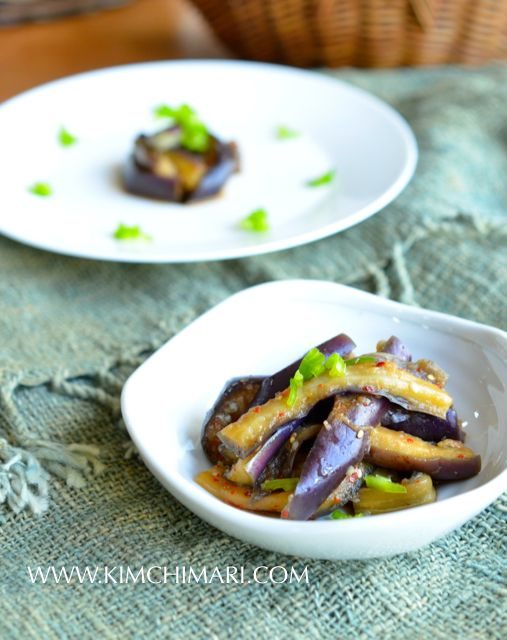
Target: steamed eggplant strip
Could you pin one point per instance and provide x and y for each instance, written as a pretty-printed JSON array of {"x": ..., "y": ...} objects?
[
  {"x": 242, "y": 497},
  {"x": 232, "y": 402},
  {"x": 241, "y": 471},
  {"x": 424, "y": 369},
  {"x": 238, "y": 496},
  {"x": 419, "y": 488},
  {"x": 338, "y": 446},
  {"x": 447, "y": 460},
  {"x": 255, "y": 427},
  {"x": 270, "y": 458}
]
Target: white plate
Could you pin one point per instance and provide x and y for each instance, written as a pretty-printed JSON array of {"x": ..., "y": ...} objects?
[
  {"x": 371, "y": 147},
  {"x": 259, "y": 331}
]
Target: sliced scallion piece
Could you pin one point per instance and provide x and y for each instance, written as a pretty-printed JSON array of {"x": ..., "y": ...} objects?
[
  {"x": 134, "y": 232},
  {"x": 325, "y": 178},
  {"x": 42, "y": 189},
  {"x": 286, "y": 484},
  {"x": 382, "y": 483},
  {"x": 257, "y": 221},
  {"x": 286, "y": 133},
  {"x": 65, "y": 138}
]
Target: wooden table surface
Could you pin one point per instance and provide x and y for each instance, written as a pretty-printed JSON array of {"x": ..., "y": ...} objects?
[{"x": 142, "y": 30}]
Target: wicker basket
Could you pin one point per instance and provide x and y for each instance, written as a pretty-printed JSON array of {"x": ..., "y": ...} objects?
[{"x": 372, "y": 33}]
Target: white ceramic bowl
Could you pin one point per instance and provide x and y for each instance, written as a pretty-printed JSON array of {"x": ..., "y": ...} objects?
[{"x": 260, "y": 330}]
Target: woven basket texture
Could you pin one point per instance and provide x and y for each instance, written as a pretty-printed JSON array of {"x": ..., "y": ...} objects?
[{"x": 366, "y": 33}]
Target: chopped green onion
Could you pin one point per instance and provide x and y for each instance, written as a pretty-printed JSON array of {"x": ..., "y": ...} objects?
[
  {"x": 124, "y": 232},
  {"x": 65, "y": 138},
  {"x": 295, "y": 383},
  {"x": 341, "y": 515},
  {"x": 287, "y": 484},
  {"x": 42, "y": 189},
  {"x": 335, "y": 365},
  {"x": 194, "y": 133},
  {"x": 325, "y": 178},
  {"x": 312, "y": 365},
  {"x": 286, "y": 133},
  {"x": 381, "y": 483},
  {"x": 256, "y": 221},
  {"x": 163, "y": 111},
  {"x": 359, "y": 360},
  {"x": 195, "y": 138}
]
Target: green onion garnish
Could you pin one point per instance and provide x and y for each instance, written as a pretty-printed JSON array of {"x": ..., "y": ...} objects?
[
  {"x": 359, "y": 360},
  {"x": 163, "y": 111},
  {"x": 325, "y": 178},
  {"x": 312, "y": 365},
  {"x": 341, "y": 515},
  {"x": 256, "y": 221},
  {"x": 42, "y": 189},
  {"x": 295, "y": 383},
  {"x": 124, "y": 232},
  {"x": 194, "y": 133},
  {"x": 286, "y": 133},
  {"x": 381, "y": 483},
  {"x": 65, "y": 138},
  {"x": 335, "y": 365},
  {"x": 287, "y": 484}
]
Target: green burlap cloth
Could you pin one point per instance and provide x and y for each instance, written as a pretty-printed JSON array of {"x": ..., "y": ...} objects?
[{"x": 72, "y": 330}]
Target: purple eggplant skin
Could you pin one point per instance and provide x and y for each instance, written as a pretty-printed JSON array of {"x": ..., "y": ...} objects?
[
  {"x": 395, "y": 347},
  {"x": 340, "y": 344},
  {"x": 281, "y": 464},
  {"x": 143, "y": 182},
  {"x": 232, "y": 402},
  {"x": 227, "y": 164},
  {"x": 270, "y": 449},
  {"x": 337, "y": 447},
  {"x": 422, "y": 425}
]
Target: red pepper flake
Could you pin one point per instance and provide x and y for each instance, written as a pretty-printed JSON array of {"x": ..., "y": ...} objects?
[
  {"x": 336, "y": 500},
  {"x": 321, "y": 385},
  {"x": 410, "y": 439},
  {"x": 284, "y": 514},
  {"x": 461, "y": 456},
  {"x": 285, "y": 393},
  {"x": 248, "y": 493},
  {"x": 381, "y": 364},
  {"x": 256, "y": 409},
  {"x": 281, "y": 414}
]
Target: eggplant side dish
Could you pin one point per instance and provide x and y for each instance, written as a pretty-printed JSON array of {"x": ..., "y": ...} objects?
[
  {"x": 183, "y": 162},
  {"x": 336, "y": 435}
]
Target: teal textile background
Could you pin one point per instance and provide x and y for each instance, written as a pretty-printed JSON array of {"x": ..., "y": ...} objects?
[{"x": 72, "y": 330}]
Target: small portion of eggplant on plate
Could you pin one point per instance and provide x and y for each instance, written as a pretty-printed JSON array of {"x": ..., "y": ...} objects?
[{"x": 183, "y": 162}]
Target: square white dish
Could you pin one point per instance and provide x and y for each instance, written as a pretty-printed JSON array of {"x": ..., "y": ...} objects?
[{"x": 260, "y": 330}]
